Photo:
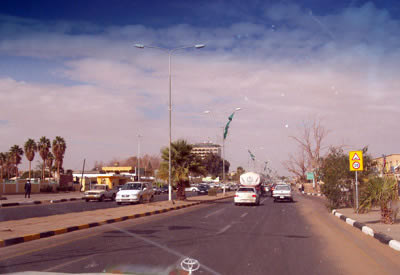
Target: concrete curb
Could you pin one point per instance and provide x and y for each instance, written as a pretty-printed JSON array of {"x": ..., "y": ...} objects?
[
  {"x": 312, "y": 194},
  {"x": 369, "y": 231},
  {"x": 37, "y": 202},
  {"x": 50, "y": 233}
]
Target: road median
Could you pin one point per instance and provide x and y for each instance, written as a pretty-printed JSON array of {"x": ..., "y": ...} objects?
[{"x": 19, "y": 231}]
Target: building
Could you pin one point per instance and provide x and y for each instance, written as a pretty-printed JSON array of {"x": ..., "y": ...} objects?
[
  {"x": 388, "y": 164},
  {"x": 206, "y": 148}
]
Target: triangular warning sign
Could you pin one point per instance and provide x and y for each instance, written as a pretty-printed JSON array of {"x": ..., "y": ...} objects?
[{"x": 355, "y": 157}]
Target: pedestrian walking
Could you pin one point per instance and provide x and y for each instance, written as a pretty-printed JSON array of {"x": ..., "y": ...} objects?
[
  {"x": 302, "y": 187},
  {"x": 28, "y": 188}
]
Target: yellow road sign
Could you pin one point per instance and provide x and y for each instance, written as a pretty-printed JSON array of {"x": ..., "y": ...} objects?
[{"x": 356, "y": 161}]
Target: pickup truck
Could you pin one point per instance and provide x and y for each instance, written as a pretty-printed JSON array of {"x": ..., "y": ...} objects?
[{"x": 101, "y": 192}]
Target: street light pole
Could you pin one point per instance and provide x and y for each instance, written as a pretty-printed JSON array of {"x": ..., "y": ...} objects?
[
  {"x": 170, "y": 52},
  {"x": 138, "y": 159},
  {"x": 170, "y": 130}
]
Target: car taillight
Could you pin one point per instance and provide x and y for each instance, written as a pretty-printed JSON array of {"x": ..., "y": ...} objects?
[
  {"x": 236, "y": 195},
  {"x": 254, "y": 196}
]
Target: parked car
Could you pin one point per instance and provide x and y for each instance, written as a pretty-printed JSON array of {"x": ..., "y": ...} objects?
[
  {"x": 135, "y": 192},
  {"x": 100, "y": 192},
  {"x": 164, "y": 189},
  {"x": 192, "y": 189},
  {"x": 247, "y": 195},
  {"x": 282, "y": 192},
  {"x": 203, "y": 190},
  {"x": 157, "y": 191}
]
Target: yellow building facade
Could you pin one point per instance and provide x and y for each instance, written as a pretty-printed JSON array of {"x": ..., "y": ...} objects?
[{"x": 392, "y": 163}]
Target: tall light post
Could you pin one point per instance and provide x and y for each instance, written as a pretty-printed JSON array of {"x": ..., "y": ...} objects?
[
  {"x": 138, "y": 159},
  {"x": 223, "y": 148},
  {"x": 169, "y": 52}
]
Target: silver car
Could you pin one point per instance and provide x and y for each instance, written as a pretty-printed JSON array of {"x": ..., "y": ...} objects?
[{"x": 282, "y": 192}]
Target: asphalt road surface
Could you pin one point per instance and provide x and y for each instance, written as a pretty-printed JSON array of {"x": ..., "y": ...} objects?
[
  {"x": 273, "y": 238},
  {"x": 49, "y": 209}
]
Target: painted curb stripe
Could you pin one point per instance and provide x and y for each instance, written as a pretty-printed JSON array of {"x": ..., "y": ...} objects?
[
  {"x": 343, "y": 217},
  {"x": 32, "y": 237},
  {"x": 12, "y": 241},
  {"x": 10, "y": 204},
  {"x": 395, "y": 245},
  {"x": 382, "y": 238},
  {"x": 72, "y": 228},
  {"x": 83, "y": 226},
  {"x": 350, "y": 221},
  {"x": 368, "y": 231},
  {"x": 60, "y": 231},
  {"x": 358, "y": 225}
]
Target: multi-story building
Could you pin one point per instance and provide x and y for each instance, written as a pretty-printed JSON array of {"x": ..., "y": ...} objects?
[
  {"x": 389, "y": 163},
  {"x": 205, "y": 148}
]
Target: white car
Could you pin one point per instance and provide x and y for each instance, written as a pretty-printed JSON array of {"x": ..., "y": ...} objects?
[
  {"x": 247, "y": 195},
  {"x": 135, "y": 192},
  {"x": 192, "y": 189},
  {"x": 282, "y": 192}
]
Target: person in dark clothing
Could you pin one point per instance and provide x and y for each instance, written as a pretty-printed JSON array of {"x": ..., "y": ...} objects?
[{"x": 28, "y": 188}]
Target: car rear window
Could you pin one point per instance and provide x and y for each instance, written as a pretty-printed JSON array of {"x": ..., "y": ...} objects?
[
  {"x": 243, "y": 189},
  {"x": 282, "y": 187}
]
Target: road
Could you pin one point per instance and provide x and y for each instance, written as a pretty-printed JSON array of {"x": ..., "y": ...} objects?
[
  {"x": 273, "y": 238},
  {"x": 49, "y": 209}
]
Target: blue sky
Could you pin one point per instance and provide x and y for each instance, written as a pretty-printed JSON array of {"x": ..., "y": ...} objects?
[{"x": 69, "y": 68}]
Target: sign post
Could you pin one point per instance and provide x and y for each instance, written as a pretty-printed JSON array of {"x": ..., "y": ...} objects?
[
  {"x": 356, "y": 164},
  {"x": 310, "y": 176}
]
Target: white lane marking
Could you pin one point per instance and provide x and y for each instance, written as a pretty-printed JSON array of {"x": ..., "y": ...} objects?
[
  {"x": 224, "y": 229},
  {"x": 263, "y": 201},
  {"x": 243, "y": 215},
  {"x": 214, "y": 213}
]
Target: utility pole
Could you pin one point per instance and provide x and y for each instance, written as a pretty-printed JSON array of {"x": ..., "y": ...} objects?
[{"x": 138, "y": 158}]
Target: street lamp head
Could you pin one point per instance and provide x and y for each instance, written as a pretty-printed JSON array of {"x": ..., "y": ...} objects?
[
  {"x": 140, "y": 46},
  {"x": 207, "y": 112},
  {"x": 238, "y": 109},
  {"x": 199, "y": 46}
]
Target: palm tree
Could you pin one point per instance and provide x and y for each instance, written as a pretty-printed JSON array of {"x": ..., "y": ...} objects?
[
  {"x": 183, "y": 162},
  {"x": 3, "y": 160},
  {"x": 44, "y": 149},
  {"x": 49, "y": 162},
  {"x": 380, "y": 192},
  {"x": 59, "y": 147},
  {"x": 16, "y": 153},
  {"x": 30, "y": 150}
]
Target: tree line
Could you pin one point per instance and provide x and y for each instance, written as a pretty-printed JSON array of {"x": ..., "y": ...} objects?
[{"x": 49, "y": 151}]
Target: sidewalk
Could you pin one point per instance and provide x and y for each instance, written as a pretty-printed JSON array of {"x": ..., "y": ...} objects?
[
  {"x": 372, "y": 220},
  {"x": 13, "y": 232},
  {"x": 43, "y": 197}
]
